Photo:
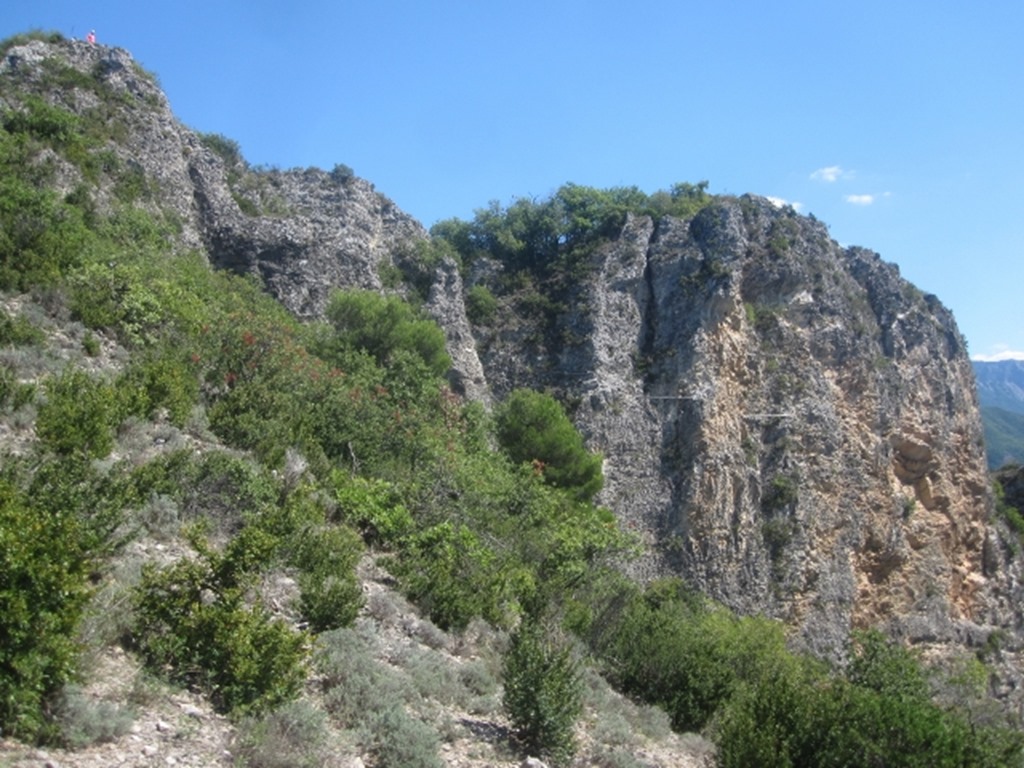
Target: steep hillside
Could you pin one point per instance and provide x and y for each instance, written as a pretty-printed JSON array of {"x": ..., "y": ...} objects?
[{"x": 785, "y": 423}]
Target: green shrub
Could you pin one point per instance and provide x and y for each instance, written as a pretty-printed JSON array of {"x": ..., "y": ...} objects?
[
  {"x": 452, "y": 576},
  {"x": 156, "y": 381},
  {"x": 670, "y": 647},
  {"x": 41, "y": 238},
  {"x": 374, "y": 507},
  {"x": 782, "y": 493},
  {"x": 1010, "y": 514},
  {"x": 481, "y": 306},
  {"x": 880, "y": 713},
  {"x": 330, "y": 593},
  {"x": 19, "y": 331},
  {"x": 77, "y": 417},
  {"x": 543, "y": 692},
  {"x": 15, "y": 394},
  {"x": 119, "y": 298},
  {"x": 25, "y": 37},
  {"x": 385, "y": 326},
  {"x": 193, "y": 623},
  {"x": 223, "y": 488},
  {"x": 342, "y": 174},
  {"x": 90, "y": 344},
  {"x": 43, "y": 590},
  {"x": 533, "y": 428},
  {"x": 227, "y": 149},
  {"x": 78, "y": 487}
]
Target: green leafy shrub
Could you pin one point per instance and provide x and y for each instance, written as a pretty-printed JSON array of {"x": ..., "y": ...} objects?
[
  {"x": 212, "y": 486},
  {"x": 481, "y": 306},
  {"x": 330, "y": 593},
  {"x": 551, "y": 237},
  {"x": 224, "y": 489},
  {"x": 193, "y": 622},
  {"x": 452, "y": 576},
  {"x": 783, "y": 492},
  {"x": 90, "y": 344},
  {"x": 342, "y": 174},
  {"x": 227, "y": 149},
  {"x": 19, "y": 331},
  {"x": 372, "y": 506},
  {"x": 159, "y": 381},
  {"x": 543, "y": 692},
  {"x": 533, "y": 428},
  {"x": 119, "y": 298},
  {"x": 43, "y": 589},
  {"x": 25, "y": 37},
  {"x": 879, "y": 713},
  {"x": 75, "y": 486},
  {"x": 1009, "y": 513},
  {"x": 384, "y": 326},
  {"x": 670, "y": 647},
  {"x": 77, "y": 416},
  {"x": 42, "y": 239},
  {"x": 13, "y": 393}
]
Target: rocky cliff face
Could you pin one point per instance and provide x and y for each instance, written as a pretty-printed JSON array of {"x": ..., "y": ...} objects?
[
  {"x": 787, "y": 423},
  {"x": 792, "y": 425}
]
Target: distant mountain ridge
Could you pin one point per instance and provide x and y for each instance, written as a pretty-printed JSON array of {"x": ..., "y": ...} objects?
[
  {"x": 1001, "y": 384},
  {"x": 1001, "y": 395}
]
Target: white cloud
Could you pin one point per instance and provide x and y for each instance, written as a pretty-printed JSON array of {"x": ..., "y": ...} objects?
[
  {"x": 1006, "y": 354},
  {"x": 860, "y": 199},
  {"x": 779, "y": 202},
  {"x": 830, "y": 174}
]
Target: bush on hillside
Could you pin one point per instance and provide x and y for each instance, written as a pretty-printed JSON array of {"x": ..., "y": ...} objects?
[
  {"x": 43, "y": 589},
  {"x": 543, "y": 692},
  {"x": 534, "y": 429},
  {"x": 194, "y": 624},
  {"x": 384, "y": 326},
  {"x": 78, "y": 416}
]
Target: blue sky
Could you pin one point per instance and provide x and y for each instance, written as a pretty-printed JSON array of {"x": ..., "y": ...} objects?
[{"x": 900, "y": 124}]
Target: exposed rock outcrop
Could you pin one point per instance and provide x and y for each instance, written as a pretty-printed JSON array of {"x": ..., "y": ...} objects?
[{"x": 791, "y": 424}]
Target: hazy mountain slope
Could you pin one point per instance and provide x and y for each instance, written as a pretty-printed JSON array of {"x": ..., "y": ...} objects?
[
  {"x": 1001, "y": 395},
  {"x": 1001, "y": 384},
  {"x": 1004, "y": 436}
]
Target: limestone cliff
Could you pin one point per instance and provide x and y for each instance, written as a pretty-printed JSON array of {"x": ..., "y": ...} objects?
[
  {"x": 786, "y": 422},
  {"x": 791, "y": 425}
]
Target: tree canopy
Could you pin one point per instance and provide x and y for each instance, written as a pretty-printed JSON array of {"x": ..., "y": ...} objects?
[
  {"x": 535, "y": 234},
  {"x": 533, "y": 428}
]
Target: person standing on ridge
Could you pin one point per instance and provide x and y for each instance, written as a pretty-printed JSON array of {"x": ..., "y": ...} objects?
[{"x": 91, "y": 37}]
